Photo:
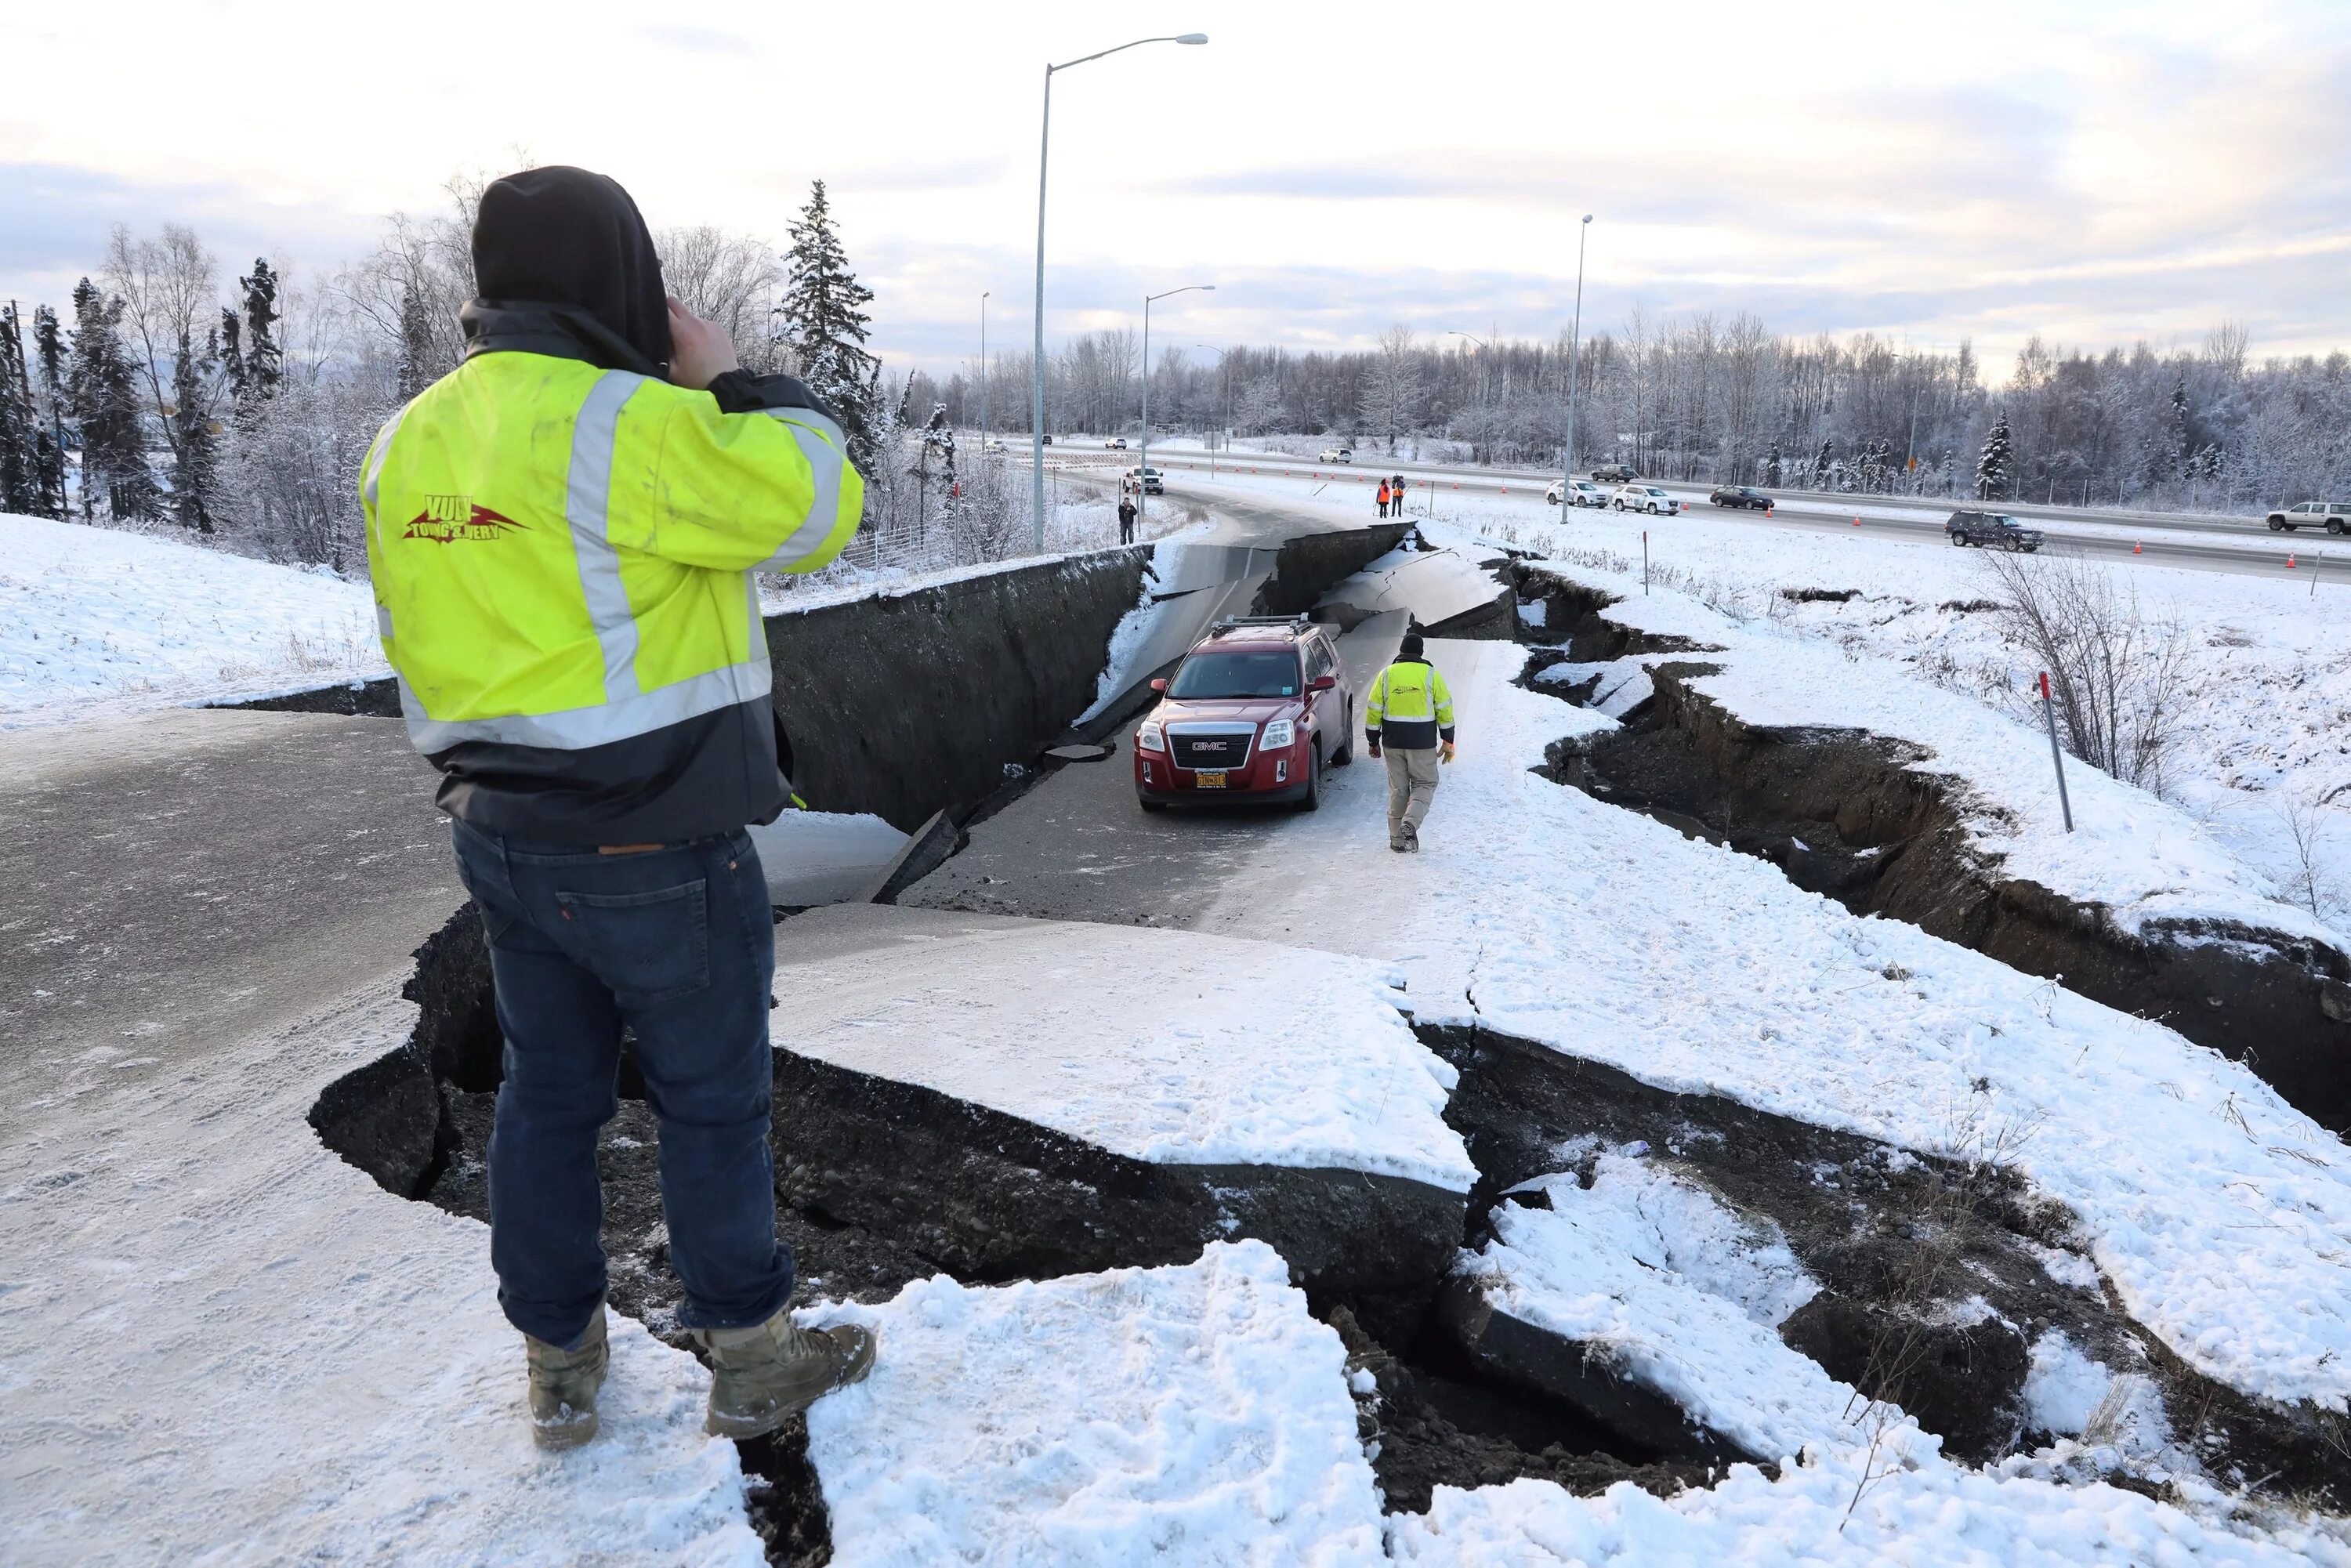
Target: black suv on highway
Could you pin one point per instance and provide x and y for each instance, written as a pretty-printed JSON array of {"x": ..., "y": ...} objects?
[
  {"x": 1746, "y": 495},
  {"x": 1996, "y": 531},
  {"x": 1613, "y": 474}
]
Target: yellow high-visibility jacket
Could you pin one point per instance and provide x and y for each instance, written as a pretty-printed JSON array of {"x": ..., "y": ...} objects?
[
  {"x": 1410, "y": 706},
  {"x": 562, "y": 559}
]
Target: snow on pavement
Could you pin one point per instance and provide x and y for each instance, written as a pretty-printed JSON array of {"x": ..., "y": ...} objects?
[
  {"x": 220, "y": 1343},
  {"x": 95, "y": 617},
  {"x": 2221, "y": 1215},
  {"x": 1677, "y": 1293},
  {"x": 1195, "y": 1414},
  {"x": 1160, "y": 1045}
]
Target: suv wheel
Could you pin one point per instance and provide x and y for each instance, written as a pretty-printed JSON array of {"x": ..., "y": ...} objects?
[
  {"x": 1313, "y": 800},
  {"x": 2333, "y": 525},
  {"x": 2277, "y": 525},
  {"x": 1346, "y": 752}
]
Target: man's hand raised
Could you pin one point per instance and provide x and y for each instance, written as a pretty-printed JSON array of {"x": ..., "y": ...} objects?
[{"x": 699, "y": 353}]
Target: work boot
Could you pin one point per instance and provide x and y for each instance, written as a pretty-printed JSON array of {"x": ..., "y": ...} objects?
[
  {"x": 563, "y": 1385},
  {"x": 1412, "y": 841},
  {"x": 762, "y": 1377}
]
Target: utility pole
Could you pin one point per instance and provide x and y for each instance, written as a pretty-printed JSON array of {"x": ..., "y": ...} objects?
[
  {"x": 1224, "y": 404},
  {"x": 983, "y": 378}
]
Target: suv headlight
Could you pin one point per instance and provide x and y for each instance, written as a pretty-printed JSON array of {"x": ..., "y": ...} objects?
[
  {"x": 1280, "y": 733},
  {"x": 1150, "y": 738}
]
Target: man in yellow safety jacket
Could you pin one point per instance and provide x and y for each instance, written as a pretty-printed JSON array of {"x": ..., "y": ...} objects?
[
  {"x": 561, "y": 533},
  {"x": 1409, "y": 718}
]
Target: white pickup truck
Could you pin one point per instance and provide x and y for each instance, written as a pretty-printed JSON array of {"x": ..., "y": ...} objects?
[{"x": 2335, "y": 517}]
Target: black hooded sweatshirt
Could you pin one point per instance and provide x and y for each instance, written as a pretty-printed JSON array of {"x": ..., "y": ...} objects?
[{"x": 566, "y": 268}]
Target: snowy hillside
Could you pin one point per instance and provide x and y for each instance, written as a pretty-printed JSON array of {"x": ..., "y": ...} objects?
[{"x": 93, "y": 619}]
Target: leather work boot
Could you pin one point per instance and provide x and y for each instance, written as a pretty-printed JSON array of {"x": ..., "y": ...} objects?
[
  {"x": 563, "y": 1385},
  {"x": 762, "y": 1377}
]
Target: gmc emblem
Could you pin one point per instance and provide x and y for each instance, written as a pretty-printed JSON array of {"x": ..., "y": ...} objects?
[{"x": 1207, "y": 745}]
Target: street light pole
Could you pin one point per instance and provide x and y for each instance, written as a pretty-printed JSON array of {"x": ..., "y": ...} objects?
[
  {"x": 1142, "y": 462},
  {"x": 1037, "y": 398},
  {"x": 983, "y": 377},
  {"x": 1574, "y": 349}
]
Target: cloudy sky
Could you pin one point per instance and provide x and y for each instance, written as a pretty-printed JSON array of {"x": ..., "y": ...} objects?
[{"x": 2097, "y": 173}]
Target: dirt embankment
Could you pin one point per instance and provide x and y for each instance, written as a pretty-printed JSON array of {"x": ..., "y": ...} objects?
[{"x": 1847, "y": 815}]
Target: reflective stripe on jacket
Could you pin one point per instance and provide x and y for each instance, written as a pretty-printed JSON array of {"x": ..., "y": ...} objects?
[
  {"x": 1409, "y": 707},
  {"x": 561, "y": 554}
]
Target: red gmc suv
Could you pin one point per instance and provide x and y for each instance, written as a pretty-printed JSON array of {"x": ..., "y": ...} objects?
[{"x": 1252, "y": 714}]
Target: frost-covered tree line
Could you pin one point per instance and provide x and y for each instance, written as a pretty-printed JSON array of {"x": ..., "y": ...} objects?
[
  {"x": 238, "y": 403},
  {"x": 1701, "y": 398}
]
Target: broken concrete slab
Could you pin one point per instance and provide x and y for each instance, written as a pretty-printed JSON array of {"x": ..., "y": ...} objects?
[
  {"x": 1022, "y": 1097},
  {"x": 824, "y": 857},
  {"x": 1077, "y": 753},
  {"x": 1449, "y": 593}
]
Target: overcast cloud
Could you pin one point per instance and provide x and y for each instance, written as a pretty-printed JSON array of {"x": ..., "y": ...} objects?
[{"x": 2095, "y": 173}]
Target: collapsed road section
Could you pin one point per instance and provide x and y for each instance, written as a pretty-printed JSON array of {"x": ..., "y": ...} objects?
[{"x": 1735, "y": 738}]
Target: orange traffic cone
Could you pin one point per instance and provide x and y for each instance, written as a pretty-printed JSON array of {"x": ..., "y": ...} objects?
[
  {"x": 2135, "y": 549},
  {"x": 2289, "y": 560},
  {"x": 1767, "y": 514},
  {"x": 1856, "y": 522}
]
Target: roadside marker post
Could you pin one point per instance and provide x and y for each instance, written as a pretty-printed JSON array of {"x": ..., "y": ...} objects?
[
  {"x": 1644, "y": 562},
  {"x": 2056, "y": 755}
]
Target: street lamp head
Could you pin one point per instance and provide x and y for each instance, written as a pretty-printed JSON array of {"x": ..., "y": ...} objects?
[
  {"x": 1587, "y": 218},
  {"x": 1192, "y": 39}
]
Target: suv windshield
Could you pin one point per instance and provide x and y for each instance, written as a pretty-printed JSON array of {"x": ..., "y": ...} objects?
[
  {"x": 2001, "y": 520},
  {"x": 1269, "y": 673}
]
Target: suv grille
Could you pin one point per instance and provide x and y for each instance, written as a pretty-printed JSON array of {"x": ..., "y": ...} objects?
[{"x": 1210, "y": 744}]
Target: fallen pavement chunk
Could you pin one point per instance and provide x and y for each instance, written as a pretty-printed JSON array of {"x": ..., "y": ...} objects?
[
  {"x": 1196, "y": 1414},
  {"x": 1026, "y": 1097},
  {"x": 1649, "y": 1304},
  {"x": 923, "y": 853},
  {"x": 1077, "y": 753}
]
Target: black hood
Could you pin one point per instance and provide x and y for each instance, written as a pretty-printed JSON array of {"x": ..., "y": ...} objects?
[{"x": 564, "y": 265}]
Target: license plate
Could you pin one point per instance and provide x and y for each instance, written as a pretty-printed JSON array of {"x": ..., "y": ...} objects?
[{"x": 1210, "y": 780}]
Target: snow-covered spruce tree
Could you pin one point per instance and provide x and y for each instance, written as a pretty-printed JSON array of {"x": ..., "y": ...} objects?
[
  {"x": 232, "y": 359},
  {"x": 1772, "y": 467},
  {"x": 1823, "y": 469},
  {"x": 19, "y": 473},
  {"x": 264, "y": 362},
  {"x": 822, "y": 321},
  {"x": 49, "y": 442},
  {"x": 1997, "y": 464},
  {"x": 103, "y": 393},
  {"x": 195, "y": 445}
]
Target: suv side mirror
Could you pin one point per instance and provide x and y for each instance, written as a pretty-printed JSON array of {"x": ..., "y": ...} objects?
[
  {"x": 1159, "y": 684},
  {"x": 1322, "y": 683}
]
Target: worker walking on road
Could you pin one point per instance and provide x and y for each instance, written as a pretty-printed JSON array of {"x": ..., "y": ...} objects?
[
  {"x": 1383, "y": 498},
  {"x": 562, "y": 534},
  {"x": 1125, "y": 518},
  {"x": 1395, "y": 496},
  {"x": 1409, "y": 718}
]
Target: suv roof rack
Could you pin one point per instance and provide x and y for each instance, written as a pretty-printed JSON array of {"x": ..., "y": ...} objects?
[{"x": 1234, "y": 623}]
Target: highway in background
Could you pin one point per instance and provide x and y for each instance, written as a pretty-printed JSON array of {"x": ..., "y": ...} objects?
[{"x": 2196, "y": 543}]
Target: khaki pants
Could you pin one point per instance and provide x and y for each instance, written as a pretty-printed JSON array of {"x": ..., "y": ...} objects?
[{"x": 1411, "y": 789}]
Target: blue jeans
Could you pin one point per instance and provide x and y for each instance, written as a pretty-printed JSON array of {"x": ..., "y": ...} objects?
[{"x": 679, "y": 944}]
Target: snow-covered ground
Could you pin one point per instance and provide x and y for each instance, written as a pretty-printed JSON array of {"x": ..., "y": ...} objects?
[
  {"x": 100, "y": 620},
  {"x": 1194, "y": 1415},
  {"x": 2145, "y": 859},
  {"x": 2221, "y": 1215}
]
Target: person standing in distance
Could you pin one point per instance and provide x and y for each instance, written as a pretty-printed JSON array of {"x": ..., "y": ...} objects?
[
  {"x": 1409, "y": 718},
  {"x": 1383, "y": 497},
  {"x": 562, "y": 534},
  {"x": 1125, "y": 518}
]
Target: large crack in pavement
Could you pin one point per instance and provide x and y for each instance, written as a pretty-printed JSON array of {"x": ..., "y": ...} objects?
[{"x": 1844, "y": 814}]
